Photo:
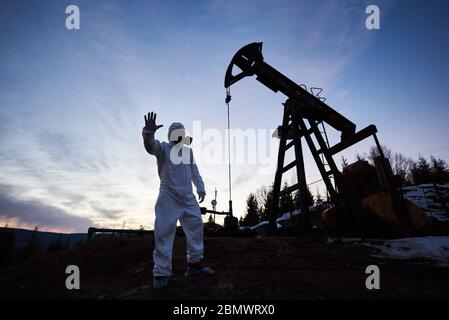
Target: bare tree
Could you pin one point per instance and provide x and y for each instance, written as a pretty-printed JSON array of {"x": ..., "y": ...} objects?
[
  {"x": 402, "y": 168},
  {"x": 374, "y": 153},
  {"x": 344, "y": 162},
  {"x": 360, "y": 157},
  {"x": 400, "y": 164}
]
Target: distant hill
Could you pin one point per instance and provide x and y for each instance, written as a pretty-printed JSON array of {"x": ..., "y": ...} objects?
[{"x": 44, "y": 239}]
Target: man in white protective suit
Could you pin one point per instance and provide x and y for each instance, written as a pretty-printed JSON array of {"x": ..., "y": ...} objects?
[{"x": 176, "y": 201}]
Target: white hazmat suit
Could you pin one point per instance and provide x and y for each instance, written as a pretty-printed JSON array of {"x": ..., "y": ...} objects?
[{"x": 176, "y": 201}]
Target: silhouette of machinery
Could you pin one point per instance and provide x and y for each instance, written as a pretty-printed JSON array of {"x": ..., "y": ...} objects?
[{"x": 303, "y": 120}]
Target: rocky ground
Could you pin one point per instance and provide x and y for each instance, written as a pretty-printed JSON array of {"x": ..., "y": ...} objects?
[{"x": 247, "y": 268}]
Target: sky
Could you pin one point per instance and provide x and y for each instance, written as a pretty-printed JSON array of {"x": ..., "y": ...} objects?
[{"x": 72, "y": 101}]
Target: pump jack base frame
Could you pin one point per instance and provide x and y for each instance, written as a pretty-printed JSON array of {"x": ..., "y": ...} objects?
[{"x": 293, "y": 129}]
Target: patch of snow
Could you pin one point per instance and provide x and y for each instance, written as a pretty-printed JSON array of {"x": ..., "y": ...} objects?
[
  {"x": 285, "y": 217},
  {"x": 427, "y": 197},
  {"x": 261, "y": 224},
  {"x": 288, "y": 215},
  {"x": 435, "y": 249}
]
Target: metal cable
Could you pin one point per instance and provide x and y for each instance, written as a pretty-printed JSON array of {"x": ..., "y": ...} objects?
[{"x": 228, "y": 99}]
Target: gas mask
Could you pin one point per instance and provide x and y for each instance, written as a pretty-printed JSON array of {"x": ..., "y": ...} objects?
[{"x": 177, "y": 134}]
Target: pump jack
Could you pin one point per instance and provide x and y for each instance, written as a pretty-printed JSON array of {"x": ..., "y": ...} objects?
[{"x": 303, "y": 113}]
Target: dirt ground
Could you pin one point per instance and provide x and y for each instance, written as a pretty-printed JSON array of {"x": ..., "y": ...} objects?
[{"x": 247, "y": 268}]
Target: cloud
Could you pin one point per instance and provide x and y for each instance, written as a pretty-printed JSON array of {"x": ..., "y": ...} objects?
[
  {"x": 54, "y": 143},
  {"x": 112, "y": 214},
  {"x": 32, "y": 212},
  {"x": 245, "y": 177},
  {"x": 342, "y": 94}
]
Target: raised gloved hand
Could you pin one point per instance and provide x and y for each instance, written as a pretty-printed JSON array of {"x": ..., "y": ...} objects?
[
  {"x": 201, "y": 196},
  {"x": 150, "y": 123}
]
